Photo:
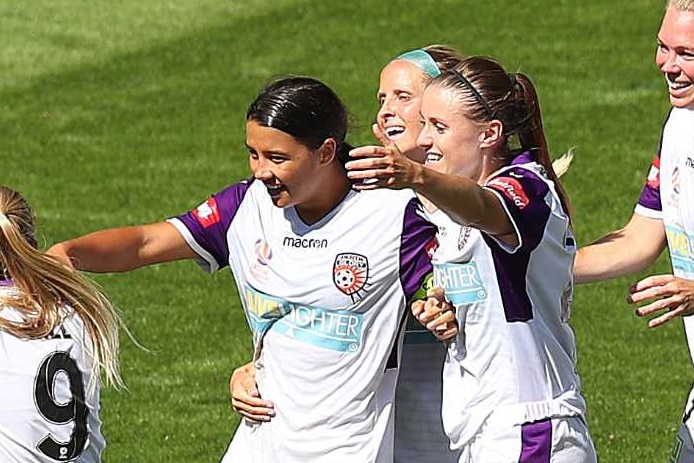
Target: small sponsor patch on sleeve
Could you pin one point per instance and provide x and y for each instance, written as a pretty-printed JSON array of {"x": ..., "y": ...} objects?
[
  {"x": 512, "y": 189},
  {"x": 207, "y": 214},
  {"x": 430, "y": 247},
  {"x": 653, "y": 179}
]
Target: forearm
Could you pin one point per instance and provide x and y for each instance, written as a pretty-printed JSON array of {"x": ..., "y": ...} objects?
[
  {"x": 123, "y": 249},
  {"x": 622, "y": 252},
  {"x": 113, "y": 250},
  {"x": 463, "y": 200}
]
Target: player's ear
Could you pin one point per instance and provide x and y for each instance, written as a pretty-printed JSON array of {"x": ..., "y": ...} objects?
[
  {"x": 327, "y": 151},
  {"x": 492, "y": 134}
]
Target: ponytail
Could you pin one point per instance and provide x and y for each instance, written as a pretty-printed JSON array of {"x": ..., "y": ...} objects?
[{"x": 531, "y": 134}]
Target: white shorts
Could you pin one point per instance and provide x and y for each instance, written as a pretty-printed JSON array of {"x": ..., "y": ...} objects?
[
  {"x": 556, "y": 440},
  {"x": 683, "y": 451}
]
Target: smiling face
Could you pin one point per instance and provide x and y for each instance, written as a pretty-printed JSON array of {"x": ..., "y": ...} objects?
[
  {"x": 453, "y": 142},
  {"x": 399, "y": 94},
  {"x": 675, "y": 55},
  {"x": 288, "y": 169}
]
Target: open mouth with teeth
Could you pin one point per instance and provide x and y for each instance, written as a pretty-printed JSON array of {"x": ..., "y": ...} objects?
[
  {"x": 274, "y": 190},
  {"x": 433, "y": 158},
  {"x": 394, "y": 132},
  {"x": 677, "y": 86}
]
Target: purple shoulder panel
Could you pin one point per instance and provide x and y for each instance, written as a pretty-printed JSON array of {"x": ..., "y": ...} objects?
[
  {"x": 524, "y": 192},
  {"x": 418, "y": 241},
  {"x": 209, "y": 222}
]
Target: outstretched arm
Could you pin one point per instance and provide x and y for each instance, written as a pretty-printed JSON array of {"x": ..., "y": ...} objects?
[
  {"x": 463, "y": 199},
  {"x": 123, "y": 249},
  {"x": 622, "y": 252}
]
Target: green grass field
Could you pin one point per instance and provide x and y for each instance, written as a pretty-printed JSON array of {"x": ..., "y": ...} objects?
[{"x": 124, "y": 112}]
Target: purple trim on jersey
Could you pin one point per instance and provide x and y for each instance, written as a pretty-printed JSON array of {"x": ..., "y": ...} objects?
[
  {"x": 417, "y": 234},
  {"x": 536, "y": 442},
  {"x": 531, "y": 220},
  {"x": 523, "y": 158},
  {"x": 213, "y": 238},
  {"x": 650, "y": 198},
  {"x": 650, "y": 194}
]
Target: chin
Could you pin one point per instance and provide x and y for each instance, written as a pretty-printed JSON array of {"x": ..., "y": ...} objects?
[{"x": 682, "y": 103}]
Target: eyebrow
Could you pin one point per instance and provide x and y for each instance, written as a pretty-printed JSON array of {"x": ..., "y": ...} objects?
[{"x": 677, "y": 48}]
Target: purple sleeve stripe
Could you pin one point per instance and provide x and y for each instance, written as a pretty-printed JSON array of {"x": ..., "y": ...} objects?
[
  {"x": 650, "y": 194},
  {"x": 415, "y": 262},
  {"x": 536, "y": 442},
  {"x": 650, "y": 198}
]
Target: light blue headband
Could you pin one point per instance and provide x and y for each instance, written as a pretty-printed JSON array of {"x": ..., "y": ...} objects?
[{"x": 423, "y": 61}]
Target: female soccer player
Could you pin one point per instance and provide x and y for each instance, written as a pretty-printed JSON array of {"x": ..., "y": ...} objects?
[
  {"x": 511, "y": 393},
  {"x": 663, "y": 216},
  {"x": 419, "y": 436},
  {"x": 324, "y": 273},
  {"x": 56, "y": 332}
]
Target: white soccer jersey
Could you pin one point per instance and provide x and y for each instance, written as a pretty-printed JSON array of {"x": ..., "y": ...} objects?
[
  {"x": 514, "y": 357},
  {"x": 668, "y": 193},
  {"x": 47, "y": 413},
  {"x": 325, "y": 303}
]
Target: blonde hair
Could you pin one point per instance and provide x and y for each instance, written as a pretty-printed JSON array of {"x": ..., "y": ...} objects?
[
  {"x": 47, "y": 290},
  {"x": 684, "y": 5}
]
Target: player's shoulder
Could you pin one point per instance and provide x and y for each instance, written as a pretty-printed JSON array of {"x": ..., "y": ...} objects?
[
  {"x": 679, "y": 122},
  {"x": 236, "y": 192},
  {"x": 389, "y": 204},
  {"x": 388, "y": 197},
  {"x": 70, "y": 325},
  {"x": 527, "y": 178}
]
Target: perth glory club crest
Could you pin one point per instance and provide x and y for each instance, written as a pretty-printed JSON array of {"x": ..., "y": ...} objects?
[{"x": 350, "y": 273}]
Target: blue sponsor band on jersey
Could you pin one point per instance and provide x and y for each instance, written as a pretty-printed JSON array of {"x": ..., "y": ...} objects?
[
  {"x": 681, "y": 247},
  {"x": 461, "y": 282},
  {"x": 337, "y": 330},
  {"x": 462, "y": 285}
]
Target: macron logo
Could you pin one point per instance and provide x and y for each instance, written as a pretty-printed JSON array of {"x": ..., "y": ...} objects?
[{"x": 305, "y": 243}]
